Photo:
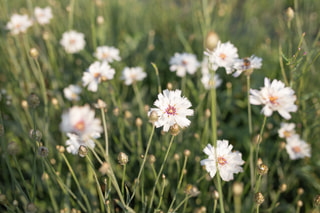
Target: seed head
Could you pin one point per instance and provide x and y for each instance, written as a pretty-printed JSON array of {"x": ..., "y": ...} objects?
[
  {"x": 83, "y": 151},
  {"x": 175, "y": 129},
  {"x": 43, "y": 151},
  {"x": 123, "y": 158},
  {"x": 33, "y": 100},
  {"x": 259, "y": 198},
  {"x": 262, "y": 169}
]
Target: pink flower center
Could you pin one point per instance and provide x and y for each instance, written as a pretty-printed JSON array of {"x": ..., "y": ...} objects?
[
  {"x": 296, "y": 149},
  {"x": 273, "y": 99},
  {"x": 79, "y": 126},
  {"x": 222, "y": 161},
  {"x": 184, "y": 62},
  {"x": 72, "y": 41},
  {"x": 171, "y": 110},
  {"x": 222, "y": 56}
]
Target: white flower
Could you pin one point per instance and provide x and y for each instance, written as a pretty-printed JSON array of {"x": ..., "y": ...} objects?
[
  {"x": 108, "y": 54},
  {"x": 274, "y": 97},
  {"x": 97, "y": 72},
  {"x": 73, "y": 41},
  {"x": 72, "y": 92},
  {"x": 244, "y": 64},
  {"x": 224, "y": 55},
  {"x": 172, "y": 109},
  {"x": 74, "y": 142},
  {"x": 205, "y": 66},
  {"x": 209, "y": 82},
  {"x": 130, "y": 75},
  {"x": 18, "y": 24},
  {"x": 183, "y": 63},
  {"x": 44, "y": 15},
  {"x": 297, "y": 148},
  {"x": 229, "y": 163},
  {"x": 287, "y": 130},
  {"x": 80, "y": 120}
]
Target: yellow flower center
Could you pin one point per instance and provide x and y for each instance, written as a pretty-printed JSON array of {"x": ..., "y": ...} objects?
[
  {"x": 96, "y": 75},
  {"x": 296, "y": 149},
  {"x": 105, "y": 55},
  {"x": 222, "y": 56},
  {"x": 273, "y": 99},
  {"x": 222, "y": 161},
  {"x": 286, "y": 134},
  {"x": 79, "y": 126}
]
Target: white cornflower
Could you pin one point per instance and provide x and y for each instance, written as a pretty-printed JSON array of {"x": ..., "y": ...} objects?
[
  {"x": 72, "y": 92},
  {"x": 18, "y": 24},
  {"x": 224, "y": 55},
  {"x": 229, "y": 162},
  {"x": 297, "y": 148},
  {"x": 80, "y": 120},
  {"x": 183, "y": 63},
  {"x": 172, "y": 109},
  {"x": 74, "y": 142},
  {"x": 244, "y": 64},
  {"x": 131, "y": 75},
  {"x": 209, "y": 82},
  {"x": 97, "y": 72},
  {"x": 275, "y": 97},
  {"x": 287, "y": 130},
  {"x": 108, "y": 54},
  {"x": 44, "y": 15},
  {"x": 73, "y": 41}
]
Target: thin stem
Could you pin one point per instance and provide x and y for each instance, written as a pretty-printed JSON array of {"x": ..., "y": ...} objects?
[
  {"x": 252, "y": 179},
  {"x": 105, "y": 132},
  {"x": 182, "y": 202},
  {"x": 158, "y": 78},
  {"x": 139, "y": 99},
  {"x": 260, "y": 136},
  {"x": 258, "y": 183},
  {"x": 249, "y": 106},
  {"x": 161, "y": 195},
  {"x": 71, "y": 14},
  {"x": 123, "y": 178}
]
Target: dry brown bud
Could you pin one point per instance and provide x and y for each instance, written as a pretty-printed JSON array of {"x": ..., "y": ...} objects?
[
  {"x": 123, "y": 158},
  {"x": 83, "y": 151},
  {"x": 153, "y": 117},
  {"x": 174, "y": 129},
  {"x": 262, "y": 169},
  {"x": 259, "y": 198}
]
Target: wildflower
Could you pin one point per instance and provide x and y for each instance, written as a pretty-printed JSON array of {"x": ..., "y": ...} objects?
[
  {"x": 107, "y": 54},
  {"x": 262, "y": 169},
  {"x": 123, "y": 158},
  {"x": 224, "y": 55},
  {"x": 83, "y": 151},
  {"x": 131, "y": 75},
  {"x": 96, "y": 73},
  {"x": 73, "y": 41},
  {"x": 44, "y": 15},
  {"x": 286, "y": 130},
  {"x": 228, "y": 162},
  {"x": 172, "y": 109},
  {"x": 72, "y": 92},
  {"x": 247, "y": 64},
  {"x": 100, "y": 104},
  {"x": 297, "y": 148},
  {"x": 259, "y": 198},
  {"x": 19, "y": 24},
  {"x": 275, "y": 97},
  {"x": 209, "y": 81},
  {"x": 75, "y": 142},
  {"x": 184, "y": 62}
]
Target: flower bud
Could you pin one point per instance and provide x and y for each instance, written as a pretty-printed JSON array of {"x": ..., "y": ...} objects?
[
  {"x": 45, "y": 35},
  {"x": 187, "y": 152},
  {"x": 123, "y": 158},
  {"x": 237, "y": 188},
  {"x": 15, "y": 203},
  {"x": 191, "y": 190},
  {"x": 3, "y": 199},
  {"x": 176, "y": 157},
  {"x": 299, "y": 203},
  {"x": 175, "y": 129},
  {"x": 262, "y": 169},
  {"x": 116, "y": 111},
  {"x": 211, "y": 40},
  {"x": 169, "y": 86},
  {"x": 105, "y": 168},
  {"x": 127, "y": 114},
  {"x": 33, "y": 100},
  {"x": 100, "y": 20},
  {"x": 35, "y": 135},
  {"x": 283, "y": 187},
  {"x": 259, "y": 198},
  {"x": 139, "y": 122},
  {"x": 300, "y": 191},
  {"x": 60, "y": 149},
  {"x": 316, "y": 200},
  {"x": 31, "y": 208},
  {"x": 153, "y": 117},
  {"x": 83, "y": 151},
  {"x": 216, "y": 195},
  {"x": 13, "y": 148},
  {"x": 43, "y": 151},
  {"x": 152, "y": 159},
  {"x": 24, "y": 104},
  {"x": 100, "y": 104},
  {"x": 207, "y": 113},
  {"x": 290, "y": 14},
  {"x": 34, "y": 53}
]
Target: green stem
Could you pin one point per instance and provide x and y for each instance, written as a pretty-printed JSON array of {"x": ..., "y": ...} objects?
[
  {"x": 161, "y": 195},
  {"x": 139, "y": 99},
  {"x": 182, "y": 202},
  {"x": 158, "y": 78},
  {"x": 105, "y": 132},
  {"x": 123, "y": 178},
  {"x": 258, "y": 183},
  {"x": 249, "y": 106},
  {"x": 71, "y": 14},
  {"x": 260, "y": 136}
]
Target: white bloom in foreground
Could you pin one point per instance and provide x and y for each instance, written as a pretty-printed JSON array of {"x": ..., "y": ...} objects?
[
  {"x": 72, "y": 92},
  {"x": 172, "y": 109},
  {"x": 297, "y": 148},
  {"x": 18, "y": 24},
  {"x": 74, "y": 142},
  {"x": 224, "y": 55},
  {"x": 108, "y": 54},
  {"x": 275, "y": 97},
  {"x": 72, "y": 41},
  {"x": 97, "y": 72},
  {"x": 131, "y": 75},
  {"x": 229, "y": 162},
  {"x": 183, "y": 63},
  {"x": 44, "y": 15},
  {"x": 80, "y": 120},
  {"x": 287, "y": 130},
  {"x": 244, "y": 64},
  {"x": 209, "y": 82}
]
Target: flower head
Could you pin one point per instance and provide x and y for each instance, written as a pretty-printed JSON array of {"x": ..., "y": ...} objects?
[
  {"x": 183, "y": 63},
  {"x": 297, "y": 148},
  {"x": 72, "y": 92},
  {"x": 245, "y": 64},
  {"x": 172, "y": 109},
  {"x": 130, "y": 75},
  {"x": 75, "y": 141},
  {"x": 19, "y": 24},
  {"x": 228, "y": 162},
  {"x": 224, "y": 55},
  {"x": 275, "y": 97},
  {"x": 73, "y": 41},
  {"x": 211, "y": 82},
  {"x": 44, "y": 15},
  {"x": 286, "y": 130},
  {"x": 108, "y": 54},
  {"x": 97, "y": 72}
]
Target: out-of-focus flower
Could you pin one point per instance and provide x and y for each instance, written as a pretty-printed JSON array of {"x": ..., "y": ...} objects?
[
  {"x": 44, "y": 15},
  {"x": 274, "y": 97},
  {"x": 74, "y": 142},
  {"x": 224, "y": 55},
  {"x": 72, "y": 41},
  {"x": 172, "y": 109},
  {"x": 72, "y": 92},
  {"x": 183, "y": 63},
  {"x": 229, "y": 162},
  {"x": 287, "y": 130},
  {"x": 108, "y": 54},
  {"x": 97, "y": 72},
  {"x": 297, "y": 148},
  {"x": 19, "y": 24},
  {"x": 131, "y": 75},
  {"x": 247, "y": 64},
  {"x": 209, "y": 82}
]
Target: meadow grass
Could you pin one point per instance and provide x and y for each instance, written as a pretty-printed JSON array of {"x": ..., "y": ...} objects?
[{"x": 163, "y": 171}]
